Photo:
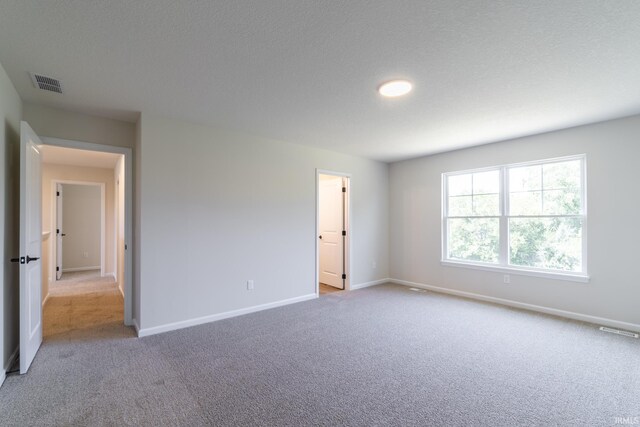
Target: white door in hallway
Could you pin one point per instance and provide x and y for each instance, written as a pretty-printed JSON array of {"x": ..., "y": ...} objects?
[
  {"x": 331, "y": 223},
  {"x": 59, "y": 231},
  {"x": 30, "y": 247}
]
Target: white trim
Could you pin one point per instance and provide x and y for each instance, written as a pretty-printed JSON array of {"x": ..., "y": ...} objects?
[
  {"x": 120, "y": 289},
  {"x": 531, "y": 307},
  {"x": 514, "y": 270},
  {"x": 44, "y": 301},
  {"x": 128, "y": 211},
  {"x": 134, "y": 322},
  {"x": 372, "y": 283},
  {"x": 220, "y": 316},
  {"x": 71, "y": 270},
  {"x": 3, "y": 376}
]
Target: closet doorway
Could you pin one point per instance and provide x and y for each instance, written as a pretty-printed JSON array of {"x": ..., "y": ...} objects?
[{"x": 332, "y": 232}]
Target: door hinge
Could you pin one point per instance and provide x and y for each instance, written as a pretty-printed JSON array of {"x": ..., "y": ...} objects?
[
  {"x": 344, "y": 276},
  {"x": 344, "y": 189},
  {"x": 57, "y": 231},
  {"x": 58, "y": 193},
  {"x": 344, "y": 232},
  {"x": 57, "y": 268}
]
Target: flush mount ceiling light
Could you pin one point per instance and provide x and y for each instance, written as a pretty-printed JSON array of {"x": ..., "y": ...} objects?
[{"x": 395, "y": 88}]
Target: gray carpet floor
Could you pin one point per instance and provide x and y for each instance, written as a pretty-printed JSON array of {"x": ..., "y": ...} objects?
[{"x": 378, "y": 356}]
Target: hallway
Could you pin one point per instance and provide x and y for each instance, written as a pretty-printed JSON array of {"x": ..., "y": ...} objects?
[{"x": 82, "y": 300}]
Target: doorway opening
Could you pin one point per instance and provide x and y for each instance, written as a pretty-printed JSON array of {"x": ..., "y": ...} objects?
[
  {"x": 37, "y": 251},
  {"x": 83, "y": 218},
  {"x": 333, "y": 232},
  {"x": 79, "y": 218}
]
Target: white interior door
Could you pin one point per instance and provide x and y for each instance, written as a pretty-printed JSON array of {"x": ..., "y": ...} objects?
[
  {"x": 331, "y": 223},
  {"x": 59, "y": 233},
  {"x": 30, "y": 247}
]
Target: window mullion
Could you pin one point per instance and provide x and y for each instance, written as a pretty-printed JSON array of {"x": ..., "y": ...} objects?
[
  {"x": 445, "y": 214},
  {"x": 542, "y": 189},
  {"x": 504, "y": 226}
]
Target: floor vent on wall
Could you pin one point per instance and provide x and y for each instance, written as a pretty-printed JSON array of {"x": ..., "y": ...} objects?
[
  {"x": 417, "y": 290},
  {"x": 46, "y": 83},
  {"x": 618, "y": 332}
]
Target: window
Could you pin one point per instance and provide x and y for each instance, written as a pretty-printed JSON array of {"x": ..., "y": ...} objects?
[{"x": 529, "y": 217}]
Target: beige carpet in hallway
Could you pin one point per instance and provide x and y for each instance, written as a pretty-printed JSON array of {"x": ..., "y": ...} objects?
[{"x": 82, "y": 300}]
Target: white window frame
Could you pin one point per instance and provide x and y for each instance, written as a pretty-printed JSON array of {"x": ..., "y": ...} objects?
[{"x": 503, "y": 265}]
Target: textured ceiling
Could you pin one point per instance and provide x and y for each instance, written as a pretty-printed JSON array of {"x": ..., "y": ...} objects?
[{"x": 306, "y": 71}]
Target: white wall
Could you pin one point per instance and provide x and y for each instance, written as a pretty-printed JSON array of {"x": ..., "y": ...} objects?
[
  {"x": 613, "y": 151},
  {"x": 218, "y": 209},
  {"x": 10, "y": 114},
  {"x": 82, "y": 226},
  {"x": 53, "y": 122}
]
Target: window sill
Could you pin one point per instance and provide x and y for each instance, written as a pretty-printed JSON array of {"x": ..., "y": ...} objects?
[{"x": 513, "y": 270}]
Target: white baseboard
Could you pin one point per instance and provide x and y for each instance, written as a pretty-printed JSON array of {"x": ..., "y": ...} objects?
[
  {"x": 44, "y": 301},
  {"x": 531, "y": 307},
  {"x": 220, "y": 316},
  {"x": 367, "y": 284},
  {"x": 121, "y": 290},
  {"x": 71, "y": 270},
  {"x": 3, "y": 376},
  {"x": 136, "y": 326}
]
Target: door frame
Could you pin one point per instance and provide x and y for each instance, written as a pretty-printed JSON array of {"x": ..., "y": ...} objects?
[
  {"x": 347, "y": 220},
  {"x": 53, "y": 247},
  {"x": 128, "y": 209},
  {"x": 30, "y": 213}
]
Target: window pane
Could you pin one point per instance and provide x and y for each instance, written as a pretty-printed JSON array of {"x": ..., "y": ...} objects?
[
  {"x": 474, "y": 194},
  {"x": 561, "y": 202},
  {"x": 486, "y": 182},
  {"x": 562, "y": 175},
  {"x": 461, "y": 206},
  {"x": 525, "y": 203},
  {"x": 550, "y": 243},
  {"x": 562, "y": 188},
  {"x": 459, "y": 185},
  {"x": 486, "y": 205},
  {"x": 527, "y": 178},
  {"x": 474, "y": 239}
]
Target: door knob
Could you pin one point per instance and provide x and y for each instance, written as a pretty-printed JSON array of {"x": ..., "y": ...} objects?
[{"x": 29, "y": 259}]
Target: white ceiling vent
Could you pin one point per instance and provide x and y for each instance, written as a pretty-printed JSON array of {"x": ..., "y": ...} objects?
[
  {"x": 46, "y": 83},
  {"x": 618, "y": 332}
]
